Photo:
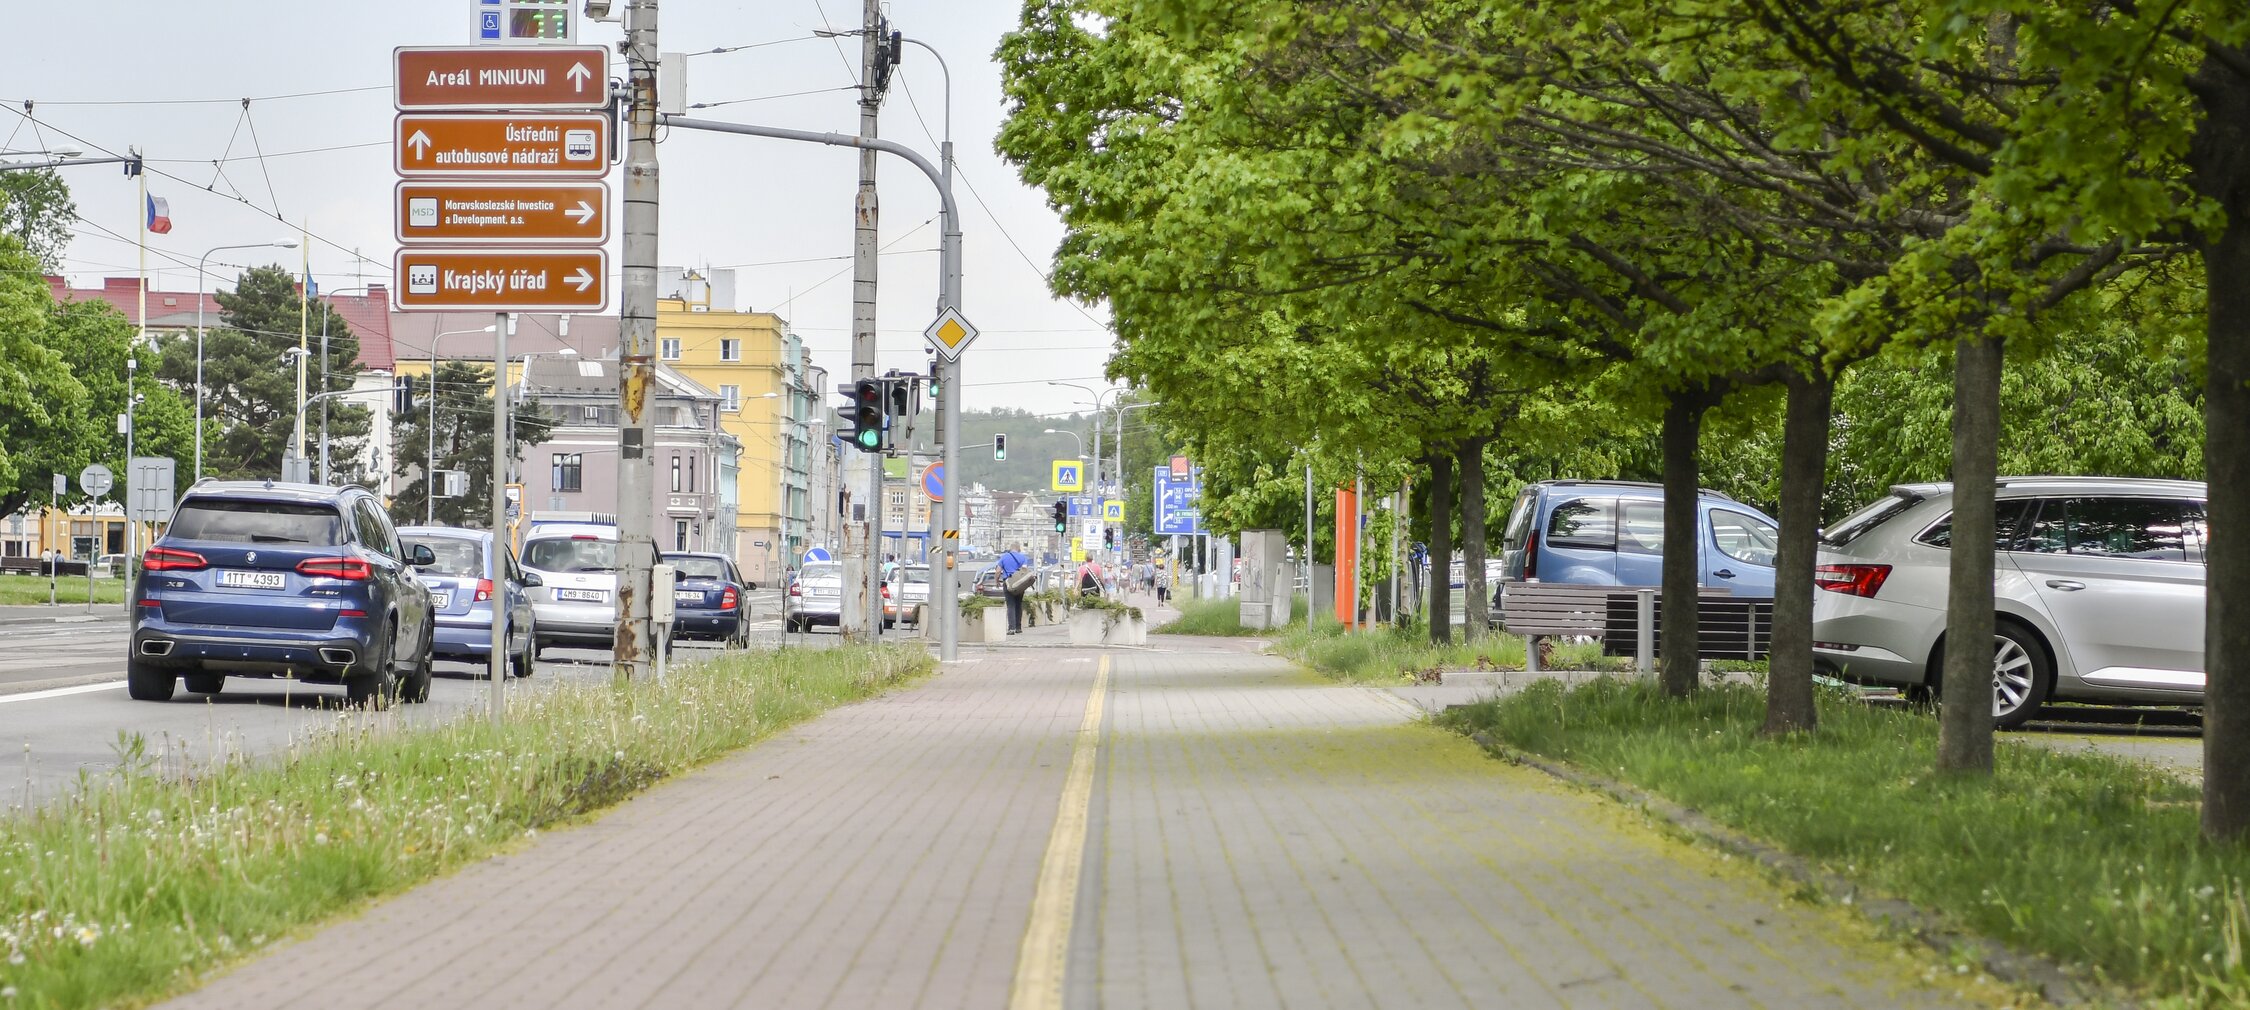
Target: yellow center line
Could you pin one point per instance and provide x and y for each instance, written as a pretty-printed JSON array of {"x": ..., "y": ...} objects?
[{"x": 1054, "y": 902}]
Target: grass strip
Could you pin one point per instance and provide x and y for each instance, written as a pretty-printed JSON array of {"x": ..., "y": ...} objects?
[
  {"x": 147, "y": 880},
  {"x": 1406, "y": 655},
  {"x": 2089, "y": 859},
  {"x": 1219, "y": 617},
  {"x": 24, "y": 590}
]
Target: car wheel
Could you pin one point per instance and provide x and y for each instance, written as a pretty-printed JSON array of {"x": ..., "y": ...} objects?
[
  {"x": 414, "y": 685},
  {"x": 374, "y": 689},
  {"x": 146, "y": 681},
  {"x": 206, "y": 683},
  {"x": 521, "y": 664},
  {"x": 2022, "y": 676}
]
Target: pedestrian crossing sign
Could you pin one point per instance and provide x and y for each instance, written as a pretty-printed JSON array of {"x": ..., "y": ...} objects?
[
  {"x": 1069, "y": 475},
  {"x": 1113, "y": 510}
]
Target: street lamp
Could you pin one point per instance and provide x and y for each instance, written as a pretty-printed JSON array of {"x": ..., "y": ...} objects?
[
  {"x": 429, "y": 429},
  {"x": 199, "y": 264},
  {"x": 1074, "y": 436}
]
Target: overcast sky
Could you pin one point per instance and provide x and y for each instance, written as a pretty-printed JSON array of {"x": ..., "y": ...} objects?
[{"x": 169, "y": 77}]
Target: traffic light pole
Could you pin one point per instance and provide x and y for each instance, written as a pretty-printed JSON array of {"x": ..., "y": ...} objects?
[{"x": 944, "y": 584}]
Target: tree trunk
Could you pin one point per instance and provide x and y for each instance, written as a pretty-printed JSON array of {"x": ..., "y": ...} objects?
[
  {"x": 1804, "y": 471},
  {"x": 1476, "y": 607},
  {"x": 1441, "y": 548},
  {"x": 2220, "y": 159},
  {"x": 1965, "y": 719},
  {"x": 1683, "y": 426}
]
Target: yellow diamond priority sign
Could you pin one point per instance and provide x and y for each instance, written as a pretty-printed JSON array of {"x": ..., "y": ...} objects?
[{"x": 950, "y": 334}]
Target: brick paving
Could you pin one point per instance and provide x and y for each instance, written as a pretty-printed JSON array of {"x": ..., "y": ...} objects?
[{"x": 1257, "y": 839}]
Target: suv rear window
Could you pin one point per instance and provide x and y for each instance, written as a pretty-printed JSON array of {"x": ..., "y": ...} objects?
[
  {"x": 227, "y": 520},
  {"x": 571, "y": 555},
  {"x": 1518, "y": 529},
  {"x": 1871, "y": 515},
  {"x": 455, "y": 555}
]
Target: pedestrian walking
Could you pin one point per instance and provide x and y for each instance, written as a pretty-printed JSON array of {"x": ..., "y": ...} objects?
[
  {"x": 1090, "y": 578},
  {"x": 1016, "y": 579}
]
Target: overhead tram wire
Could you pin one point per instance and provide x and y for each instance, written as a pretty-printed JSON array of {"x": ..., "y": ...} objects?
[
  {"x": 1044, "y": 274},
  {"x": 145, "y": 167},
  {"x": 213, "y": 101}
]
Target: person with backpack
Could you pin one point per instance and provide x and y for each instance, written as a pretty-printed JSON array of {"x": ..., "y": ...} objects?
[{"x": 1016, "y": 578}]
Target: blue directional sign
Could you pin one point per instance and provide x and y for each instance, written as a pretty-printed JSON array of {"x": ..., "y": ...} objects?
[{"x": 1177, "y": 513}]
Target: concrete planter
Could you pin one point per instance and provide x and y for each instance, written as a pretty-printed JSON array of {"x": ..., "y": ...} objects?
[
  {"x": 1088, "y": 627},
  {"x": 988, "y": 626},
  {"x": 1125, "y": 631}
]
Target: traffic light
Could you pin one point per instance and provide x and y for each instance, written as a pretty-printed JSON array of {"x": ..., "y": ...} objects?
[
  {"x": 1109, "y": 538},
  {"x": 867, "y": 415},
  {"x": 1062, "y": 516},
  {"x": 999, "y": 447}
]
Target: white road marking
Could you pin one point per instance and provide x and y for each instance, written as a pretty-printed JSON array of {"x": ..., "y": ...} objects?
[{"x": 60, "y": 692}]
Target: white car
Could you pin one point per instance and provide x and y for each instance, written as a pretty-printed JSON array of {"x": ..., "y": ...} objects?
[
  {"x": 576, "y": 602},
  {"x": 2098, "y": 585}
]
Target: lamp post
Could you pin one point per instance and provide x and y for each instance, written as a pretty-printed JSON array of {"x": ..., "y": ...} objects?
[
  {"x": 429, "y": 430},
  {"x": 327, "y": 311},
  {"x": 1074, "y": 436},
  {"x": 199, "y": 264}
]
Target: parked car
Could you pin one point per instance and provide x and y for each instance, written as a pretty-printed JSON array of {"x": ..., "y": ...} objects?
[
  {"x": 710, "y": 599},
  {"x": 1611, "y": 533},
  {"x": 2098, "y": 584},
  {"x": 815, "y": 596},
  {"x": 576, "y": 603},
  {"x": 281, "y": 580},
  {"x": 989, "y": 582},
  {"x": 910, "y": 588},
  {"x": 462, "y": 586}
]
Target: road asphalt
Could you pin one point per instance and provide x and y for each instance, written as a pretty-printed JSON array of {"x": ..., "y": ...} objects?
[{"x": 1186, "y": 825}]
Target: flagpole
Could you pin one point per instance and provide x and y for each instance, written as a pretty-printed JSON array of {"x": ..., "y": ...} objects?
[
  {"x": 304, "y": 306},
  {"x": 132, "y": 529}
]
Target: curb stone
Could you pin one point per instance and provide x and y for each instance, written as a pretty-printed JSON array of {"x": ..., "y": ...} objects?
[{"x": 2053, "y": 982}]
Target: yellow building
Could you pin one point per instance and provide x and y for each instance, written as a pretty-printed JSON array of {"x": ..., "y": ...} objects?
[{"x": 759, "y": 370}]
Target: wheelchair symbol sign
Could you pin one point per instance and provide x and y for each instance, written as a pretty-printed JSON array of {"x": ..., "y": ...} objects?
[{"x": 1068, "y": 476}]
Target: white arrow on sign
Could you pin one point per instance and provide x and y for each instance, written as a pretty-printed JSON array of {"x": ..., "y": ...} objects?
[
  {"x": 584, "y": 212},
  {"x": 581, "y": 279},
  {"x": 578, "y": 75},
  {"x": 420, "y": 142}
]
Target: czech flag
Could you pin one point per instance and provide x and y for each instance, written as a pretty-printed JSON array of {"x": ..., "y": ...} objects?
[{"x": 159, "y": 215}]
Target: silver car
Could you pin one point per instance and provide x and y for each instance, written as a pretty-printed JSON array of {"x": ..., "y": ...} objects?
[
  {"x": 815, "y": 596},
  {"x": 576, "y": 603},
  {"x": 909, "y": 589},
  {"x": 2098, "y": 584}
]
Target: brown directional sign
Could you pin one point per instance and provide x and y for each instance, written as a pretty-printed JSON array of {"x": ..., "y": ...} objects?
[
  {"x": 471, "y": 78},
  {"x": 551, "y": 145},
  {"x": 502, "y": 213},
  {"x": 501, "y": 280}
]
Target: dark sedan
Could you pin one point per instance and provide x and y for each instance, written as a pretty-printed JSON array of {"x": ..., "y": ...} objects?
[{"x": 710, "y": 599}]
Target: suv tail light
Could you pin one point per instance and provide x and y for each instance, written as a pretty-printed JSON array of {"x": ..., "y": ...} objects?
[
  {"x": 484, "y": 590},
  {"x": 1531, "y": 557},
  {"x": 728, "y": 599},
  {"x": 351, "y": 569},
  {"x": 166, "y": 559},
  {"x": 1851, "y": 580},
  {"x": 796, "y": 590}
]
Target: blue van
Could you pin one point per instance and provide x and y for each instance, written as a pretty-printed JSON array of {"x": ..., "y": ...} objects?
[
  {"x": 281, "y": 580},
  {"x": 1611, "y": 533}
]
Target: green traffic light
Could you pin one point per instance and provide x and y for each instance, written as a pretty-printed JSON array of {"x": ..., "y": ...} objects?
[{"x": 870, "y": 438}]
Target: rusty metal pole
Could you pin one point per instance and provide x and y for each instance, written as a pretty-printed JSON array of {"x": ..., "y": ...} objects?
[{"x": 633, "y": 651}]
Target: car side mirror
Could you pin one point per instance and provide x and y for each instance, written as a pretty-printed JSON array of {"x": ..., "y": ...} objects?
[
  {"x": 531, "y": 580},
  {"x": 421, "y": 556}
]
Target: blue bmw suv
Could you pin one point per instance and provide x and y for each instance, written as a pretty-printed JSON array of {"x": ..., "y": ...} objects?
[{"x": 260, "y": 578}]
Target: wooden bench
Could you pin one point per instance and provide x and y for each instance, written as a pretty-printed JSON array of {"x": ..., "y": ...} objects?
[{"x": 1539, "y": 610}]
